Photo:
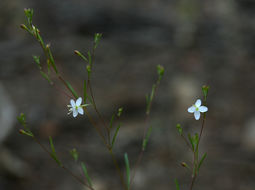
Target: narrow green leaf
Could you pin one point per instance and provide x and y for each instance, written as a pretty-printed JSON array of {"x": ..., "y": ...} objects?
[
  {"x": 74, "y": 154},
  {"x": 53, "y": 152},
  {"x": 115, "y": 135},
  {"x": 201, "y": 161},
  {"x": 177, "y": 184},
  {"x": 71, "y": 89},
  {"x": 84, "y": 169},
  {"x": 52, "y": 61},
  {"x": 37, "y": 61},
  {"x": 205, "y": 89},
  {"x": 191, "y": 142},
  {"x": 111, "y": 121},
  {"x": 195, "y": 139},
  {"x": 56, "y": 160},
  {"x": 52, "y": 145},
  {"x": 127, "y": 170},
  {"x": 145, "y": 141},
  {"x": 39, "y": 38},
  {"x": 46, "y": 77}
]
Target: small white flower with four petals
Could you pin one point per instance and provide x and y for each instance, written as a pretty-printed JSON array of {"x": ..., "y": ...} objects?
[
  {"x": 76, "y": 107},
  {"x": 197, "y": 108}
]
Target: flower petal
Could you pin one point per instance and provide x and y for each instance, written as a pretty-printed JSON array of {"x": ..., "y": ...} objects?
[
  {"x": 80, "y": 110},
  {"x": 75, "y": 112},
  {"x": 203, "y": 109},
  {"x": 192, "y": 109},
  {"x": 78, "y": 101},
  {"x": 197, "y": 115},
  {"x": 72, "y": 102},
  {"x": 198, "y": 103}
]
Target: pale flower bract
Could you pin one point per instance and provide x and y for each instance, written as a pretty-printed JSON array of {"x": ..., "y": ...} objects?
[
  {"x": 197, "y": 108},
  {"x": 75, "y": 107}
]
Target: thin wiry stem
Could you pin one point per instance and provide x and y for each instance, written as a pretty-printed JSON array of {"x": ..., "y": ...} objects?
[
  {"x": 91, "y": 120},
  {"x": 140, "y": 156},
  {"x": 195, "y": 155},
  {"x": 98, "y": 113},
  {"x": 186, "y": 142},
  {"x": 92, "y": 95},
  {"x": 118, "y": 169}
]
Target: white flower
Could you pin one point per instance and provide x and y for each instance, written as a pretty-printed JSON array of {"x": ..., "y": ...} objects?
[
  {"x": 75, "y": 107},
  {"x": 197, "y": 108}
]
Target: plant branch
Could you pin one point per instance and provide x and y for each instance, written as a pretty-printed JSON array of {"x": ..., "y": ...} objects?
[{"x": 66, "y": 169}]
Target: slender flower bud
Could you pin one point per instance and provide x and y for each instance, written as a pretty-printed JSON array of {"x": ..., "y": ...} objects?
[
  {"x": 77, "y": 52},
  {"x": 184, "y": 164},
  {"x": 21, "y": 131},
  {"x": 23, "y": 26},
  {"x": 205, "y": 89},
  {"x": 47, "y": 46}
]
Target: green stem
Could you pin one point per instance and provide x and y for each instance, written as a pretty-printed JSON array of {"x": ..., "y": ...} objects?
[
  {"x": 195, "y": 156},
  {"x": 96, "y": 127},
  {"x": 98, "y": 113},
  {"x": 118, "y": 169},
  {"x": 139, "y": 159}
]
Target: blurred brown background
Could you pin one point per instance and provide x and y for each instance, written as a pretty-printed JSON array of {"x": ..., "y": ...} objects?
[{"x": 197, "y": 41}]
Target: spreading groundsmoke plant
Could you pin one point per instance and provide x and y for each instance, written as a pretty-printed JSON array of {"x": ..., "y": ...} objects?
[{"x": 107, "y": 132}]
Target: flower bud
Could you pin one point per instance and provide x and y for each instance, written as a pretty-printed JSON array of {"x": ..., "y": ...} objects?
[
  {"x": 97, "y": 38},
  {"x": 119, "y": 112},
  {"x": 21, "y": 131},
  {"x": 88, "y": 69},
  {"x": 184, "y": 165},
  {"x": 77, "y": 52},
  {"x": 161, "y": 71},
  {"x": 23, "y": 26},
  {"x": 205, "y": 89},
  {"x": 47, "y": 46}
]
